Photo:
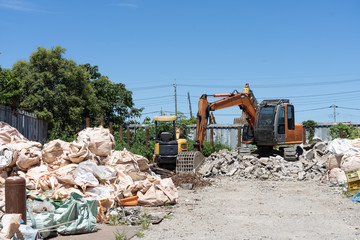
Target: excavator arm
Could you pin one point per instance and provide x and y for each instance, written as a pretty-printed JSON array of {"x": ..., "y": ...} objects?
[{"x": 245, "y": 100}]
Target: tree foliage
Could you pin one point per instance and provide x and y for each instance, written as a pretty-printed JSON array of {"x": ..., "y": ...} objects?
[
  {"x": 350, "y": 132},
  {"x": 9, "y": 88},
  {"x": 115, "y": 101},
  {"x": 65, "y": 93},
  {"x": 310, "y": 125}
]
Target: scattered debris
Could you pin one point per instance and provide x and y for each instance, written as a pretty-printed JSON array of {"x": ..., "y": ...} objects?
[
  {"x": 89, "y": 168},
  {"x": 194, "y": 179}
]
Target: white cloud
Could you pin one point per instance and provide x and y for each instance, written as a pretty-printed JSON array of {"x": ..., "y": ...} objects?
[{"x": 18, "y": 6}]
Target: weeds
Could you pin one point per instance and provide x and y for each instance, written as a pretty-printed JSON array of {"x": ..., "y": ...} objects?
[
  {"x": 120, "y": 236},
  {"x": 167, "y": 216},
  {"x": 168, "y": 206},
  {"x": 140, "y": 234},
  {"x": 145, "y": 223}
]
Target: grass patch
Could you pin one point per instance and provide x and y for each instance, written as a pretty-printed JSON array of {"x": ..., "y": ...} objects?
[
  {"x": 167, "y": 216},
  {"x": 120, "y": 236},
  {"x": 145, "y": 223},
  {"x": 140, "y": 234}
]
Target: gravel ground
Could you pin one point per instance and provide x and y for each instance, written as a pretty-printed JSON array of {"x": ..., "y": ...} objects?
[{"x": 251, "y": 209}]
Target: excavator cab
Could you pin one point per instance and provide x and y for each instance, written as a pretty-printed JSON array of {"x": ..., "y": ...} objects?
[{"x": 275, "y": 124}]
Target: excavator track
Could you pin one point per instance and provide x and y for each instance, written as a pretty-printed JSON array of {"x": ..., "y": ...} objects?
[{"x": 189, "y": 161}]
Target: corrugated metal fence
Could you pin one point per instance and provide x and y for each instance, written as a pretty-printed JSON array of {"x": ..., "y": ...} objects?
[
  {"x": 224, "y": 133},
  {"x": 322, "y": 129},
  {"x": 28, "y": 124},
  {"x": 228, "y": 133}
]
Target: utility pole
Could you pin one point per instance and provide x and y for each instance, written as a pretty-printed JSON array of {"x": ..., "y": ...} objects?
[
  {"x": 334, "y": 106},
  {"x": 190, "y": 105},
  {"x": 175, "y": 97}
]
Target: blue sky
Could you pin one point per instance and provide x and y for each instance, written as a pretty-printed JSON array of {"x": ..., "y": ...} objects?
[{"x": 307, "y": 51}]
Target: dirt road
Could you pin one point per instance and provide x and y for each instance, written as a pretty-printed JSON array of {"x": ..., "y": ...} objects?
[{"x": 249, "y": 209}]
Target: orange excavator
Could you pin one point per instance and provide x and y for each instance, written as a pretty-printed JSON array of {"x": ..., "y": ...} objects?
[{"x": 269, "y": 124}]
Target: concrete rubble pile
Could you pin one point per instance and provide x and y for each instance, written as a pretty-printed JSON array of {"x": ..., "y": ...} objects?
[
  {"x": 317, "y": 161},
  {"x": 88, "y": 166}
]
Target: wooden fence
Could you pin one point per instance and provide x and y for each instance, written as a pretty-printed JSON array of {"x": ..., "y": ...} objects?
[{"x": 28, "y": 124}]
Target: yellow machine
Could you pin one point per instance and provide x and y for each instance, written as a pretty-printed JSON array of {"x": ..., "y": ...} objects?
[{"x": 168, "y": 144}]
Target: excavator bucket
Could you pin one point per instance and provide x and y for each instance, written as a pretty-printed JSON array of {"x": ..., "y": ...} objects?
[{"x": 189, "y": 161}]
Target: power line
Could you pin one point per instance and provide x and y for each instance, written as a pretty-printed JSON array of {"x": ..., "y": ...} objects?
[
  {"x": 313, "y": 109},
  {"x": 164, "y": 96},
  {"x": 319, "y": 95},
  {"x": 150, "y": 87},
  {"x": 349, "y": 108},
  {"x": 276, "y": 85}
]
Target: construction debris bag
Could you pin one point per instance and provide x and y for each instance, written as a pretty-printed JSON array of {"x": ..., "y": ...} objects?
[
  {"x": 356, "y": 142},
  {"x": 54, "y": 150},
  {"x": 11, "y": 224},
  {"x": 28, "y": 157},
  {"x": 99, "y": 140},
  {"x": 130, "y": 163},
  {"x": 350, "y": 162},
  {"x": 40, "y": 220},
  {"x": 75, "y": 208},
  {"x": 40, "y": 178},
  {"x": 161, "y": 192},
  {"x": 28, "y": 232},
  {"x": 9, "y": 134},
  {"x": 88, "y": 174},
  {"x": 65, "y": 174},
  {"x": 337, "y": 175},
  {"x": 342, "y": 146},
  {"x": 6, "y": 157},
  {"x": 26, "y": 154},
  {"x": 78, "y": 152},
  {"x": 333, "y": 161}
]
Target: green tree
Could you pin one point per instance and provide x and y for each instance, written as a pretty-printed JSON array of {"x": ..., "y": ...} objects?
[
  {"x": 115, "y": 101},
  {"x": 310, "y": 125},
  {"x": 10, "y": 93},
  {"x": 348, "y": 131},
  {"x": 65, "y": 93},
  {"x": 57, "y": 90}
]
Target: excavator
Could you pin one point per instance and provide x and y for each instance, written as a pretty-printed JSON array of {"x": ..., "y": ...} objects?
[{"x": 269, "y": 124}]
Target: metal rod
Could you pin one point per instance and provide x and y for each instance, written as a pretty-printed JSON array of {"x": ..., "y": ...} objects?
[{"x": 57, "y": 225}]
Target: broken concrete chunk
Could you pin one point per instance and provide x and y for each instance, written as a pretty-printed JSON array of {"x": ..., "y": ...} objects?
[
  {"x": 310, "y": 155},
  {"x": 301, "y": 175}
]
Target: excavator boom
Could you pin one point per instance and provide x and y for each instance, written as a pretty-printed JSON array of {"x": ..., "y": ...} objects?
[{"x": 245, "y": 100}]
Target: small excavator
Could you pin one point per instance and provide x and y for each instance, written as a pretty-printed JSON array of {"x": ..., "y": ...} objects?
[{"x": 269, "y": 124}]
